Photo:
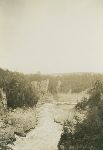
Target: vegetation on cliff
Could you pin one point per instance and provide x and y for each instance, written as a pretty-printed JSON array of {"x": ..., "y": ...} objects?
[
  {"x": 86, "y": 133},
  {"x": 18, "y": 89}
]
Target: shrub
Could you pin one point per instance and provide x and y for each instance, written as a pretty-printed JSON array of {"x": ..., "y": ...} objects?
[{"x": 88, "y": 134}]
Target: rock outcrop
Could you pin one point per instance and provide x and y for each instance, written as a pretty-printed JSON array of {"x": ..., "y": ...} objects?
[{"x": 3, "y": 102}]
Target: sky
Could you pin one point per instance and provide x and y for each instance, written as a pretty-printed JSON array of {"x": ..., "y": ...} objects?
[{"x": 51, "y": 36}]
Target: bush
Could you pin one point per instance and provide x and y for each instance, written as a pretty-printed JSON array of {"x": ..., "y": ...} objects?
[{"x": 88, "y": 134}]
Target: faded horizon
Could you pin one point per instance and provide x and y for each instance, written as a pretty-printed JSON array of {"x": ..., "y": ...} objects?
[{"x": 51, "y": 36}]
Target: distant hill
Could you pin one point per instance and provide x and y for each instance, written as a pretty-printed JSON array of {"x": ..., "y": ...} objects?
[
  {"x": 19, "y": 91},
  {"x": 75, "y": 82}
]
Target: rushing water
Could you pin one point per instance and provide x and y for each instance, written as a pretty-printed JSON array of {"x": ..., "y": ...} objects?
[{"x": 45, "y": 136}]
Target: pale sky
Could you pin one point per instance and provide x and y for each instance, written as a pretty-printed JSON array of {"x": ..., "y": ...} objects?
[{"x": 51, "y": 36}]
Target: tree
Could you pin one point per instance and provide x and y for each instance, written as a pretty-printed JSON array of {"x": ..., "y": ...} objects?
[
  {"x": 88, "y": 134},
  {"x": 18, "y": 89}
]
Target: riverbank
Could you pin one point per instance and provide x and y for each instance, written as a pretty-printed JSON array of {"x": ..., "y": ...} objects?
[
  {"x": 48, "y": 130},
  {"x": 47, "y": 119},
  {"x": 46, "y": 134},
  {"x": 16, "y": 122}
]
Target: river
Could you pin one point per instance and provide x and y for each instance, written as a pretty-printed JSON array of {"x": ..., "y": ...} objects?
[{"x": 46, "y": 134}]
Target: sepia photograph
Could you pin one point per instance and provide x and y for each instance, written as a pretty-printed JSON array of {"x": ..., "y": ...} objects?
[{"x": 51, "y": 75}]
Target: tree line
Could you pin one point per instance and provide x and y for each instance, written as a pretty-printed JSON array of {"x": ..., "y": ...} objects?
[
  {"x": 74, "y": 82},
  {"x": 20, "y": 93}
]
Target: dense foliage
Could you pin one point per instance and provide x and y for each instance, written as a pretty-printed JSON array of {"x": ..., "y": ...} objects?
[
  {"x": 75, "y": 82},
  {"x": 20, "y": 92},
  {"x": 87, "y": 134},
  {"x": 18, "y": 89}
]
